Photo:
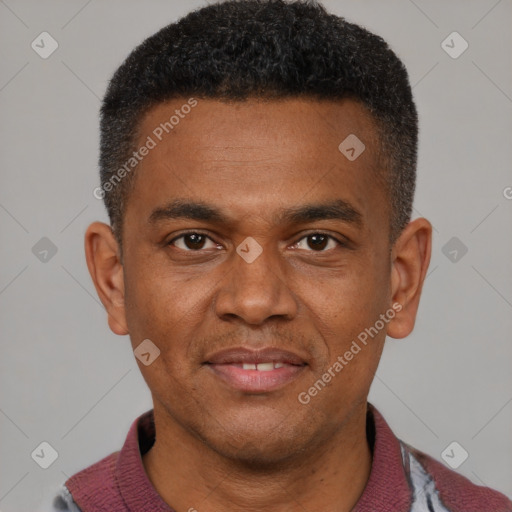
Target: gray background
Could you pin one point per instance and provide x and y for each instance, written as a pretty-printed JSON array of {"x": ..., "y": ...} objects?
[{"x": 66, "y": 379}]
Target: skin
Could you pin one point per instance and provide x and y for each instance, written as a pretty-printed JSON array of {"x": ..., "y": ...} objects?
[{"x": 218, "y": 448}]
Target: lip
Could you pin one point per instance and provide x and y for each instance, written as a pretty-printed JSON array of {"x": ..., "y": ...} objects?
[
  {"x": 227, "y": 365},
  {"x": 242, "y": 355}
]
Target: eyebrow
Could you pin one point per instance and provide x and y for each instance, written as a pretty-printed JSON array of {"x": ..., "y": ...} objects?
[{"x": 183, "y": 209}]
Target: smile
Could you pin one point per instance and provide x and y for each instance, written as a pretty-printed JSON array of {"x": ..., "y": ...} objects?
[
  {"x": 251, "y": 371},
  {"x": 261, "y": 367}
]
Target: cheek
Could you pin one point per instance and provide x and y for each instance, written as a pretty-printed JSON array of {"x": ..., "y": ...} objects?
[
  {"x": 344, "y": 308},
  {"x": 162, "y": 301},
  {"x": 349, "y": 300},
  {"x": 158, "y": 310},
  {"x": 169, "y": 309}
]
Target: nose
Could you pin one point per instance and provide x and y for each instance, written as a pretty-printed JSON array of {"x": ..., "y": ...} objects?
[{"x": 255, "y": 290}]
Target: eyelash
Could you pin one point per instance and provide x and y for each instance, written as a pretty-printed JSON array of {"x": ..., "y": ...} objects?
[{"x": 321, "y": 233}]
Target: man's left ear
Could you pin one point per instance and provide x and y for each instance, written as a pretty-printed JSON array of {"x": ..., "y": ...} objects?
[{"x": 410, "y": 258}]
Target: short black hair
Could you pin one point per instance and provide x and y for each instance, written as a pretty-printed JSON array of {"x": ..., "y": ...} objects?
[{"x": 274, "y": 49}]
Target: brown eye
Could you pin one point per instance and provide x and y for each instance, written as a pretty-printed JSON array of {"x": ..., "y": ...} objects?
[
  {"x": 192, "y": 242},
  {"x": 317, "y": 242}
]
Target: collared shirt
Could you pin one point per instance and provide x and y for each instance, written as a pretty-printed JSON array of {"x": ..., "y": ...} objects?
[{"x": 402, "y": 479}]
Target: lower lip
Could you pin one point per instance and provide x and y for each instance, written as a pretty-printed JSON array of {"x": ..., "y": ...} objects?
[{"x": 255, "y": 381}]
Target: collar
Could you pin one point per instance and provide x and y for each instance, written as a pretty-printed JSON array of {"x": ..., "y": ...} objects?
[
  {"x": 387, "y": 489},
  {"x": 134, "y": 485}
]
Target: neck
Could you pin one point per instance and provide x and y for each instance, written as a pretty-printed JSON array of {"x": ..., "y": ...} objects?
[{"x": 189, "y": 475}]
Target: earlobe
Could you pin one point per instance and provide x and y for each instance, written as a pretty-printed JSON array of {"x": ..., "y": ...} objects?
[
  {"x": 106, "y": 269},
  {"x": 409, "y": 263}
]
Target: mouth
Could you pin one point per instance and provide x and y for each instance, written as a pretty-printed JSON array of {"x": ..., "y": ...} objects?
[{"x": 258, "y": 371}]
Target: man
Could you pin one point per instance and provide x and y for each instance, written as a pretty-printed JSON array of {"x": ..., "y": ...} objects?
[{"x": 258, "y": 166}]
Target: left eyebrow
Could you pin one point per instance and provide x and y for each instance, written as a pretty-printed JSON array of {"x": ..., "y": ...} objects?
[{"x": 337, "y": 210}]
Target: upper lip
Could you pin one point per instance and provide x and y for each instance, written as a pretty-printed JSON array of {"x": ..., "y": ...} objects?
[{"x": 242, "y": 355}]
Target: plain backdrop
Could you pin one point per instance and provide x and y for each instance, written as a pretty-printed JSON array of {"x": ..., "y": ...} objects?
[{"x": 67, "y": 380}]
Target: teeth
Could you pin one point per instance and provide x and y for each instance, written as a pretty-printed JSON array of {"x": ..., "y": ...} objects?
[
  {"x": 265, "y": 367},
  {"x": 262, "y": 367}
]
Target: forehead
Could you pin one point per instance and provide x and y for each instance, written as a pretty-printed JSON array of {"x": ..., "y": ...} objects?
[
  {"x": 272, "y": 124},
  {"x": 258, "y": 156}
]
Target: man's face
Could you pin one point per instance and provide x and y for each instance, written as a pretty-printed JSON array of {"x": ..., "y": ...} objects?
[{"x": 322, "y": 277}]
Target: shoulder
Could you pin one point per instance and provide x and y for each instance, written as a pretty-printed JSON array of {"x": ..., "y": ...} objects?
[
  {"x": 90, "y": 489},
  {"x": 104, "y": 484},
  {"x": 98, "y": 475},
  {"x": 434, "y": 483}
]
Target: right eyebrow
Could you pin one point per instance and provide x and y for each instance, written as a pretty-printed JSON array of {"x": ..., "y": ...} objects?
[{"x": 181, "y": 209}]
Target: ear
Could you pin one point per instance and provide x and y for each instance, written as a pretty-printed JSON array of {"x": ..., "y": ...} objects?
[
  {"x": 410, "y": 258},
  {"x": 104, "y": 263}
]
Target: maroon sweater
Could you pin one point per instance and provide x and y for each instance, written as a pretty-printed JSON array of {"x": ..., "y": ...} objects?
[{"x": 402, "y": 479}]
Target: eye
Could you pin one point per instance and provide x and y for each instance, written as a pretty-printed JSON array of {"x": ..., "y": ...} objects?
[
  {"x": 318, "y": 242},
  {"x": 193, "y": 242}
]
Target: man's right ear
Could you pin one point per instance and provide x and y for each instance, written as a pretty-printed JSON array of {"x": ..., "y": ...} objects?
[{"x": 104, "y": 264}]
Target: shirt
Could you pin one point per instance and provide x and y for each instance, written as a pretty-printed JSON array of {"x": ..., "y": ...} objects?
[{"x": 402, "y": 479}]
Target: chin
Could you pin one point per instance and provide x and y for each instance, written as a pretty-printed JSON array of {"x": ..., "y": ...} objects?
[
  {"x": 258, "y": 457},
  {"x": 259, "y": 446}
]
